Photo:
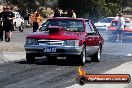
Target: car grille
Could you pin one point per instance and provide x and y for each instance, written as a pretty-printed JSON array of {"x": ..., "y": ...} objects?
[{"x": 50, "y": 42}]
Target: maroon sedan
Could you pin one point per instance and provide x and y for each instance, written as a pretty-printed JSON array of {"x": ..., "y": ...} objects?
[{"x": 72, "y": 38}]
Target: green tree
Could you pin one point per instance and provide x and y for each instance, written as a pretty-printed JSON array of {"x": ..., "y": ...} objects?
[
  {"x": 121, "y": 3},
  {"x": 93, "y": 9},
  {"x": 113, "y": 9},
  {"x": 24, "y": 5}
]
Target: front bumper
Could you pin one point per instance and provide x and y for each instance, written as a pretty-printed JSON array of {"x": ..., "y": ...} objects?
[{"x": 60, "y": 50}]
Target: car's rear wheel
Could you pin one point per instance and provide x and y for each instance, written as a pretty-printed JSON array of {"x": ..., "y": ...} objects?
[
  {"x": 97, "y": 56},
  {"x": 82, "y": 57},
  {"x": 30, "y": 58}
]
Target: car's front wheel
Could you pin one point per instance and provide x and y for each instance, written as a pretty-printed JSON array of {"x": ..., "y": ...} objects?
[{"x": 30, "y": 58}]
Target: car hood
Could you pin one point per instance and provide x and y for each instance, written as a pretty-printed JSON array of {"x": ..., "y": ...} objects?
[
  {"x": 60, "y": 36},
  {"x": 102, "y": 24}
]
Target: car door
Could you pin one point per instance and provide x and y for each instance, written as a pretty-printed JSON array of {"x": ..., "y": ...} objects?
[
  {"x": 97, "y": 36},
  {"x": 99, "y": 39},
  {"x": 92, "y": 39}
]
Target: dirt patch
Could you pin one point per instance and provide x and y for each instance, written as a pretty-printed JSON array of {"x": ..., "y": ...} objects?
[{"x": 11, "y": 47}]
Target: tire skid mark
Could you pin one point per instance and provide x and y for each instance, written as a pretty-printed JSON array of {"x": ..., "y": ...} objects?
[{"x": 10, "y": 78}]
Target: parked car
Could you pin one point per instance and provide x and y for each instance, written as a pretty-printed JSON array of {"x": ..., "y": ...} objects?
[
  {"x": 65, "y": 37},
  {"x": 18, "y": 22},
  {"x": 126, "y": 32},
  {"x": 103, "y": 24}
]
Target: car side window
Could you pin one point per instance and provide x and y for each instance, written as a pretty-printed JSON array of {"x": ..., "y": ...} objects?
[
  {"x": 88, "y": 28},
  {"x": 44, "y": 26},
  {"x": 95, "y": 30}
]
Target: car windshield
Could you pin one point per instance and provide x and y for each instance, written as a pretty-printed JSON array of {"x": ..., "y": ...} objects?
[
  {"x": 127, "y": 23},
  {"x": 68, "y": 24},
  {"x": 106, "y": 20}
]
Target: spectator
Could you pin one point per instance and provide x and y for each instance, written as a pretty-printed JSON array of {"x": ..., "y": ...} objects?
[
  {"x": 7, "y": 18},
  {"x": 26, "y": 19},
  {"x": 11, "y": 12},
  {"x": 117, "y": 17},
  {"x": 57, "y": 12},
  {"x": 120, "y": 27},
  {"x": 73, "y": 14},
  {"x": 34, "y": 18},
  {"x": 1, "y": 29},
  {"x": 39, "y": 19},
  {"x": 64, "y": 13}
]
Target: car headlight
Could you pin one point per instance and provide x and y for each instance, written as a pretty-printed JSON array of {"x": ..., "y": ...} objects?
[
  {"x": 31, "y": 41},
  {"x": 71, "y": 43}
]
